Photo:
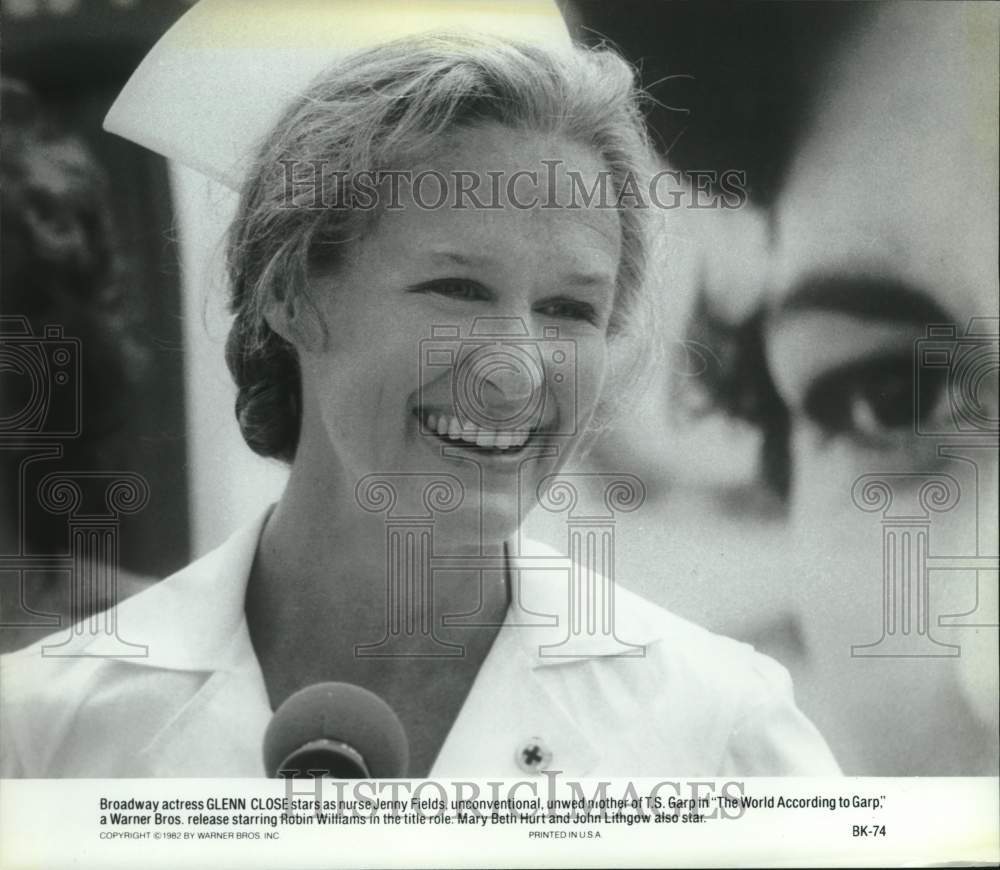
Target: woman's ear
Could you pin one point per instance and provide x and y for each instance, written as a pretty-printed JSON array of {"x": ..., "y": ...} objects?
[
  {"x": 297, "y": 320},
  {"x": 282, "y": 316}
]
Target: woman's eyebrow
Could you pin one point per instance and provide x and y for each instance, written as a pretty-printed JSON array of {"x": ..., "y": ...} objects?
[
  {"x": 589, "y": 279},
  {"x": 463, "y": 259},
  {"x": 598, "y": 278},
  {"x": 865, "y": 297}
]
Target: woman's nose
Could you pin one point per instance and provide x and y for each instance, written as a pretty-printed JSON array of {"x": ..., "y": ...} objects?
[
  {"x": 500, "y": 386},
  {"x": 509, "y": 383}
]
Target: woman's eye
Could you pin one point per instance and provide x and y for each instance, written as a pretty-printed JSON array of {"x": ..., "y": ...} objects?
[
  {"x": 874, "y": 401},
  {"x": 570, "y": 309},
  {"x": 454, "y": 289}
]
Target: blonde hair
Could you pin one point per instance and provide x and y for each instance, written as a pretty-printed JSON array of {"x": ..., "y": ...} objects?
[{"x": 386, "y": 106}]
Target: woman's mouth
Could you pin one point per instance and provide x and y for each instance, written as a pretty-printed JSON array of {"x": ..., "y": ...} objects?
[{"x": 448, "y": 429}]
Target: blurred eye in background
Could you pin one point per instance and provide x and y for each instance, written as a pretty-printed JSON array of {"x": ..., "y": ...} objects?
[
  {"x": 844, "y": 353},
  {"x": 851, "y": 383},
  {"x": 876, "y": 402}
]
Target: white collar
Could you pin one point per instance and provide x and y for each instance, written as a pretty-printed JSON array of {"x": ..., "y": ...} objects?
[{"x": 195, "y": 621}]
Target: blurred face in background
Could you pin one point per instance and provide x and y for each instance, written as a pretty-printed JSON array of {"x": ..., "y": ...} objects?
[
  {"x": 760, "y": 521},
  {"x": 887, "y": 226}
]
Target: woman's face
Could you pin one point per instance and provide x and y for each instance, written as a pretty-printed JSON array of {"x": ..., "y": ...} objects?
[{"x": 466, "y": 341}]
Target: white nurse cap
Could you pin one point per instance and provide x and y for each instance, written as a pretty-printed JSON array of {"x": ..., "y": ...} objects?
[{"x": 216, "y": 83}]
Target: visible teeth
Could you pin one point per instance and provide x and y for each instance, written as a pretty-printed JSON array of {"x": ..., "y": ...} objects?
[{"x": 447, "y": 426}]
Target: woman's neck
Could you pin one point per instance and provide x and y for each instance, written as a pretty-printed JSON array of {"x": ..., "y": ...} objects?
[{"x": 322, "y": 596}]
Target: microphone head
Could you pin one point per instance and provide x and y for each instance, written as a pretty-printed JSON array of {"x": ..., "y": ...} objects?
[{"x": 339, "y": 728}]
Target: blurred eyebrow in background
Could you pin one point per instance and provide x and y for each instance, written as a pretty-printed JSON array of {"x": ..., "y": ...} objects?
[
  {"x": 735, "y": 381},
  {"x": 868, "y": 298}
]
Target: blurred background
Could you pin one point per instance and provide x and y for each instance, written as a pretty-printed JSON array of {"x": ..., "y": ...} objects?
[{"x": 865, "y": 138}]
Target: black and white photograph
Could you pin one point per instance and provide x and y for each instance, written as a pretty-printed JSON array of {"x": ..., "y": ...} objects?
[{"x": 563, "y": 431}]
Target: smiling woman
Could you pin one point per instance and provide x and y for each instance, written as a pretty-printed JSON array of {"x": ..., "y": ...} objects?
[
  {"x": 370, "y": 407},
  {"x": 426, "y": 372}
]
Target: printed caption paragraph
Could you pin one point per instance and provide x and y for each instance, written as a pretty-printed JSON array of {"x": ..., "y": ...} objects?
[{"x": 520, "y": 823}]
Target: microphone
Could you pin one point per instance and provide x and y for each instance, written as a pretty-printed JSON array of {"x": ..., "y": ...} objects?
[{"x": 338, "y": 730}]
